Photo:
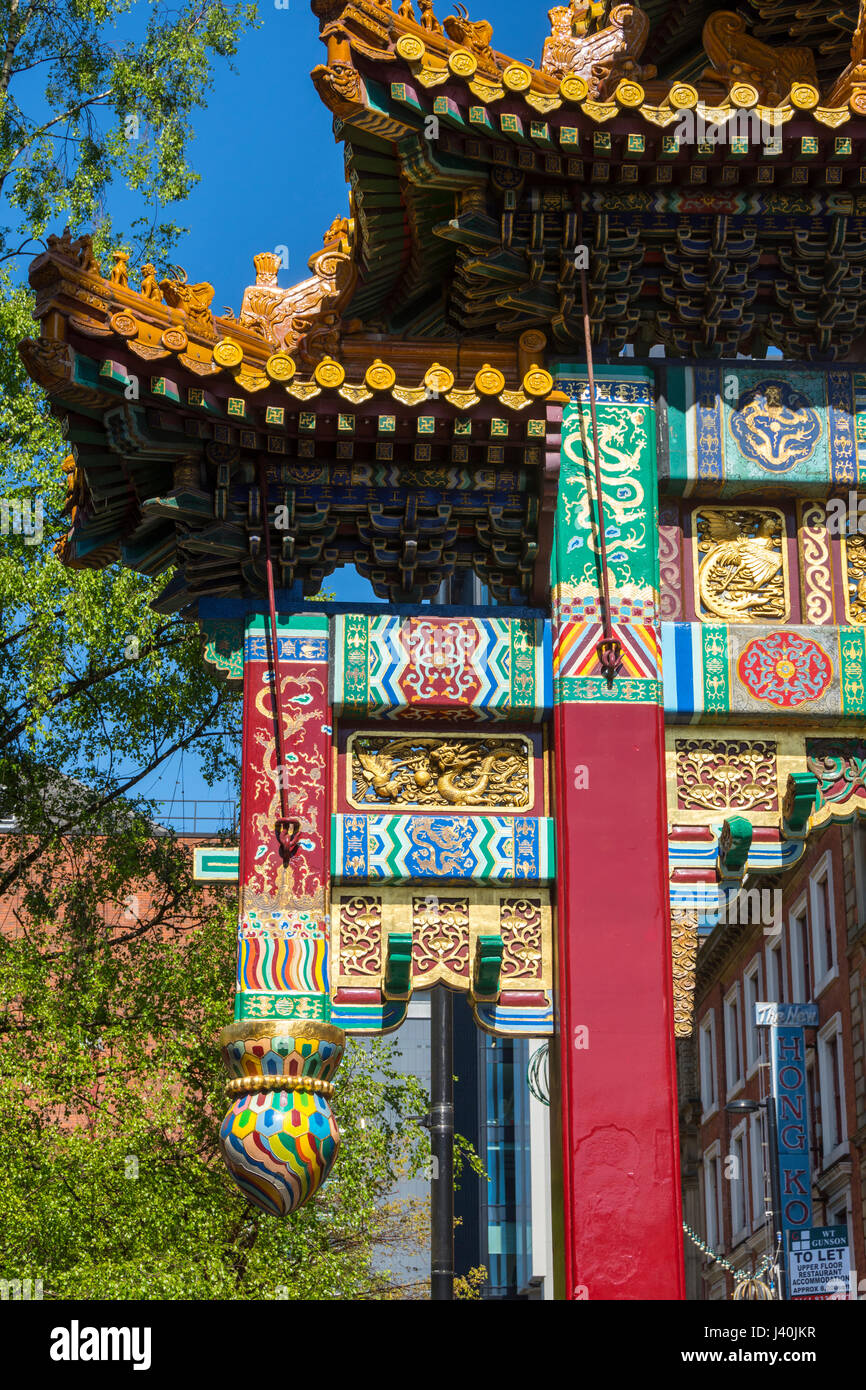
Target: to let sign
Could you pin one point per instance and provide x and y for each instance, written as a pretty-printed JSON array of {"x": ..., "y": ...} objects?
[
  {"x": 819, "y": 1263},
  {"x": 789, "y": 1094}
]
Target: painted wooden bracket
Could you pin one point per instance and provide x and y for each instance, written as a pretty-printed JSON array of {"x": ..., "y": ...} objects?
[
  {"x": 735, "y": 842},
  {"x": 398, "y": 965},
  {"x": 487, "y": 967},
  {"x": 798, "y": 805}
]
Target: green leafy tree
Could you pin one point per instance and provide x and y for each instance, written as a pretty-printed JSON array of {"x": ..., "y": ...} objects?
[
  {"x": 92, "y": 91},
  {"x": 115, "y": 969}
]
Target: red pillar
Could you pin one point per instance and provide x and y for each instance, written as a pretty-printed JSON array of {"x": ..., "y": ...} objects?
[{"x": 622, "y": 1206}]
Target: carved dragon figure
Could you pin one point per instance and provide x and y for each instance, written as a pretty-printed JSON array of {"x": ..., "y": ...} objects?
[
  {"x": 400, "y": 773},
  {"x": 476, "y": 35},
  {"x": 601, "y": 56},
  {"x": 739, "y": 57}
]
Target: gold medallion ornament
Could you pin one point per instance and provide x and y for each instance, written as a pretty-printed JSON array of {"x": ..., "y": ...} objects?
[
  {"x": 329, "y": 373},
  {"x": 537, "y": 381},
  {"x": 438, "y": 379},
  {"x": 804, "y": 96},
  {"x": 857, "y": 101},
  {"x": 228, "y": 353},
  {"x": 124, "y": 325},
  {"x": 683, "y": 97},
  {"x": 532, "y": 340},
  {"x": 410, "y": 48},
  {"x": 280, "y": 366},
  {"x": 573, "y": 87},
  {"x": 517, "y": 78},
  {"x": 630, "y": 94},
  {"x": 462, "y": 63},
  {"x": 744, "y": 95},
  {"x": 489, "y": 380},
  {"x": 175, "y": 339},
  {"x": 379, "y": 376}
]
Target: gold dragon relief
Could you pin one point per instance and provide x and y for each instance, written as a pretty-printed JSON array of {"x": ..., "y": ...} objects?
[
  {"x": 477, "y": 772},
  {"x": 741, "y": 571}
]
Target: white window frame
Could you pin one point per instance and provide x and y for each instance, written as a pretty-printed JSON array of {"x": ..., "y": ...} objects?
[
  {"x": 752, "y": 975},
  {"x": 824, "y": 971},
  {"x": 741, "y": 1230},
  {"x": 708, "y": 1064},
  {"x": 757, "y": 1176},
  {"x": 713, "y": 1210},
  {"x": 798, "y": 945},
  {"x": 734, "y": 1079},
  {"x": 775, "y": 950},
  {"x": 831, "y": 1030}
]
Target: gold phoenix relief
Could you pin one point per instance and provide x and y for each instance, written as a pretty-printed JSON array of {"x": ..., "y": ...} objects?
[
  {"x": 855, "y": 577},
  {"x": 732, "y": 774},
  {"x": 477, "y": 772},
  {"x": 741, "y": 564}
]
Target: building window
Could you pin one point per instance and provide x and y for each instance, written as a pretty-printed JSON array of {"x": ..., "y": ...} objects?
[
  {"x": 733, "y": 1041},
  {"x": 752, "y": 987},
  {"x": 709, "y": 1093},
  {"x": 757, "y": 1170},
  {"x": 713, "y": 1197},
  {"x": 738, "y": 1178},
  {"x": 831, "y": 1082},
  {"x": 775, "y": 972},
  {"x": 823, "y": 925},
  {"x": 801, "y": 974}
]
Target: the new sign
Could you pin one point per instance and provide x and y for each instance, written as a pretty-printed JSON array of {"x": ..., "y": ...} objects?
[{"x": 791, "y": 1015}]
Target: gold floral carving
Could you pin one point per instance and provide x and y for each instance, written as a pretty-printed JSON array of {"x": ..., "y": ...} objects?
[
  {"x": 445, "y": 928},
  {"x": 741, "y": 564},
  {"x": 486, "y": 771},
  {"x": 440, "y": 938},
  {"x": 684, "y": 952},
  {"x": 726, "y": 774},
  {"x": 520, "y": 928},
  {"x": 361, "y": 937}
]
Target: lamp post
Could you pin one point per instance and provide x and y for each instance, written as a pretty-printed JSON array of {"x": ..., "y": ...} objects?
[{"x": 751, "y": 1107}]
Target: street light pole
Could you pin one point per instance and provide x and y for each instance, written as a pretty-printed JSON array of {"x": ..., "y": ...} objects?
[
  {"x": 442, "y": 1144},
  {"x": 751, "y": 1107},
  {"x": 776, "y": 1193}
]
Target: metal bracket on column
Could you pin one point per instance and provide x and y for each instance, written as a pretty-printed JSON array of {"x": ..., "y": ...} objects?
[
  {"x": 487, "y": 966},
  {"x": 398, "y": 965}
]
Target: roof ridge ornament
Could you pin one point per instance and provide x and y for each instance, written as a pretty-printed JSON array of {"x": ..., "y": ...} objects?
[
  {"x": 602, "y": 56},
  {"x": 738, "y": 57}
]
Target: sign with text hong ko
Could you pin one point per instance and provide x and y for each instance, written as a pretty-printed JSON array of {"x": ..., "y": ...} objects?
[
  {"x": 788, "y": 1046},
  {"x": 819, "y": 1263}
]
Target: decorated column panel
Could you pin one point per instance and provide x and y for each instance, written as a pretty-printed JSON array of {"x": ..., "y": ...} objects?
[
  {"x": 622, "y": 1219},
  {"x": 280, "y": 1138}
]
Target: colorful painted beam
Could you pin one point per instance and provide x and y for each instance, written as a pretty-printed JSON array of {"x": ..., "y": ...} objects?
[
  {"x": 488, "y": 668},
  {"x": 739, "y": 429},
  {"x": 474, "y": 848},
  {"x": 812, "y": 675}
]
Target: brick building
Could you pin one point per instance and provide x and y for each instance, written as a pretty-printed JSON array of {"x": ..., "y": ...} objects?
[{"x": 814, "y": 950}]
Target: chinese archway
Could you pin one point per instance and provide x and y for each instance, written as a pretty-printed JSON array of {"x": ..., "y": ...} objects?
[{"x": 509, "y": 798}]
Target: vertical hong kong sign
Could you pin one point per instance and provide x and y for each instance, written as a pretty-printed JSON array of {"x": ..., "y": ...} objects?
[{"x": 788, "y": 1059}]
